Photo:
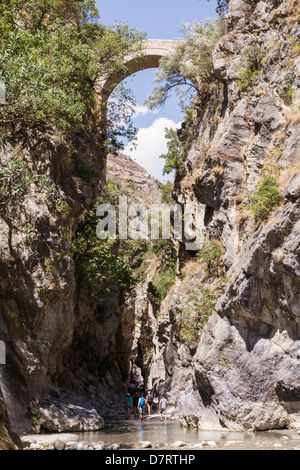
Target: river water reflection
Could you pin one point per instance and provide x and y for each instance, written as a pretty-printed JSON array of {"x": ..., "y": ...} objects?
[{"x": 163, "y": 435}]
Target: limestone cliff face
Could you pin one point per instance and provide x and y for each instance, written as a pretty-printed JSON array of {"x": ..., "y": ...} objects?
[
  {"x": 61, "y": 344},
  {"x": 133, "y": 179},
  {"x": 244, "y": 372},
  {"x": 37, "y": 276}
]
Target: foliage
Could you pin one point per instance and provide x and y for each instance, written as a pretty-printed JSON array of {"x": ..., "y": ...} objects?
[
  {"x": 137, "y": 253},
  {"x": 120, "y": 109},
  {"x": 166, "y": 193},
  {"x": 12, "y": 317},
  {"x": 192, "y": 319},
  {"x": 211, "y": 253},
  {"x": 162, "y": 281},
  {"x": 164, "y": 248},
  {"x": 224, "y": 362},
  {"x": 99, "y": 266},
  {"x": 15, "y": 181},
  {"x": 222, "y": 6},
  {"x": 32, "y": 414},
  {"x": 267, "y": 195},
  {"x": 246, "y": 78},
  {"x": 111, "y": 193},
  {"x": 174, "y": 156},
  {"x": 47, "y": 188},
  {"x": 166, "y": 275},
  {"x": 190, "y": 64},
  {"x": 28, "y": 234},
  {"x": 51, "y": 53},
  {"x": 287, "y": 94},
  {"x": 253, "y": 57}
]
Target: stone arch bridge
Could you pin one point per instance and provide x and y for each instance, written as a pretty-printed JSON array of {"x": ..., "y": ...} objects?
[{"x": 153, "y": 51}]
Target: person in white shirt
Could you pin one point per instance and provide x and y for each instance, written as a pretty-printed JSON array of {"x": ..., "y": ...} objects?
[{"x": 163, "y": 407}]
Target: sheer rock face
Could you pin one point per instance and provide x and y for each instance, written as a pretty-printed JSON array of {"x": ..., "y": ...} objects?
[
  {"x": 133, "y": 179},
  {"x": 8, "y": 441},
  {"x": 57, "y": 337},
  {"x": 245, "y": 372},
  {"x": 38, "y": 314}
]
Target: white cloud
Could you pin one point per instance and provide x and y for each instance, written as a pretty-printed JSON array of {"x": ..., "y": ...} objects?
[
  {"x": 140, "y": 111},
  {"x": 151, "y": 143},
  {"x": 143, "y": 110}
]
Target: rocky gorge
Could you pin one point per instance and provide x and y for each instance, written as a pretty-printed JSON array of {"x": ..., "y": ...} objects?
[{"x": 223, "y": 343}]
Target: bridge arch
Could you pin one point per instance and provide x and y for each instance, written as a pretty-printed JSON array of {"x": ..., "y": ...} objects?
[{"x": 153, "y": 51}]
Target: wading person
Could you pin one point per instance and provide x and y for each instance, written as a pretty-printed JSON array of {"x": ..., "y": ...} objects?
[
  {"x": 128, "y": 404},
  {"x": 149, "y": 401},
  {"x": 142, "y": 404},
  {"x": 135, "y": 403},
  {"x": 163, "y": 407}
]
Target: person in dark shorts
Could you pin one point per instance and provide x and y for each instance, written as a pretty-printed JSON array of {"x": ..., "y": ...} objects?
[
  {"x": 135, "y": 403},
  {"x": 149, "y": 401}
]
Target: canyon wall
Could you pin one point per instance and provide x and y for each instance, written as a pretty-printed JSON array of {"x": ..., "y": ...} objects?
[{"x": 242, "y": 370}]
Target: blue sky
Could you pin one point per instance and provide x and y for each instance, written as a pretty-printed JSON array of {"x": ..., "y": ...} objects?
[{"x": 159, "y": 19}]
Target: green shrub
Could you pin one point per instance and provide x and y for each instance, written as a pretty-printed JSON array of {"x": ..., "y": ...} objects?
[
  {"x": 287, "y": 95},
  {"x": 267, "y": 194},
  {"x": 211, "y": 253},
  {"x": 100, "y": 267},
  {"x": 32, "y": 414},
  {"x": 164, "y": 248},
  {"x": 162, "y": 282},
  {"x": 111, "y": 193},
  {"x": 246, "y": 78},
  {"x": 137, "y": 253},
  {"x": 174, "y": 156},
  {"x": 192, "y": 320},
  {"x": 15, "y": 181},
  {"x": 253, "y": 57},
  {"x": 166, "y": 193},
  {"x": 12, "y": 318},
  {"x": 63, "y": 208}
]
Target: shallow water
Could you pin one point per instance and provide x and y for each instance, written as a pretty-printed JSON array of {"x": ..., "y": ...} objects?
[{"x": 165, "y": 434}]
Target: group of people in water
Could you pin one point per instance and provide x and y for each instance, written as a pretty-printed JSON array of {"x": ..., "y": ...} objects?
[{"x": 139, "y": 404}]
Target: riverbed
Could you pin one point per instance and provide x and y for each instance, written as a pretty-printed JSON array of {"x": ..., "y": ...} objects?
[
  {"x": 130, "y": 433},
  {"x": 166, "y": 435}
]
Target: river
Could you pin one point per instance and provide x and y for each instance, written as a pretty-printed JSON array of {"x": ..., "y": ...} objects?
[{"x": 164, "y": 435}]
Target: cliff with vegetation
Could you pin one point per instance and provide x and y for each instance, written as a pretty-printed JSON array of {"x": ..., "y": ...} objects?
[
  {"x": 226, "y": 340},
  {"x": 83, "y": 320},
  {"x": 53, "y": 292}
]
